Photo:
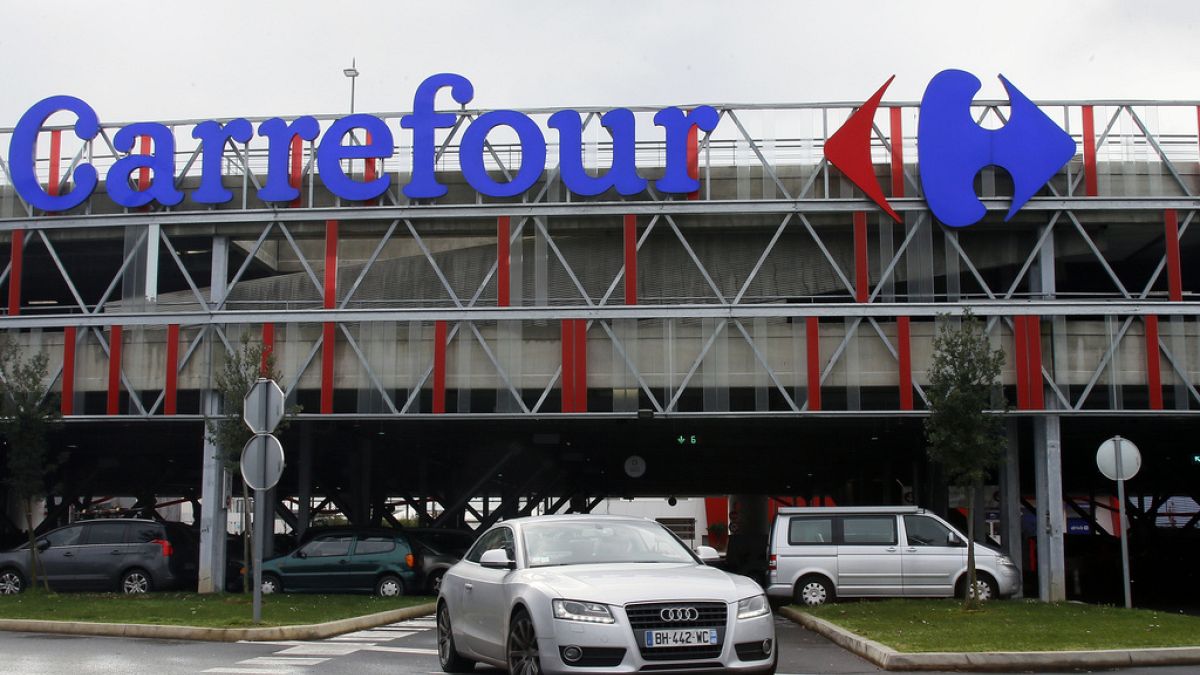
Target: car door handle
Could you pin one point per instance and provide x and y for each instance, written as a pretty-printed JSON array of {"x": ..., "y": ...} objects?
[
  {"x": 891, "y": 549},
  {"x": 68, "y": 554},
  {"x": 115, "y": 551},
  {"x": 468, "y": 586},
  {"x": 911, "y": 549},
  {"x": 343, "y": 562}
]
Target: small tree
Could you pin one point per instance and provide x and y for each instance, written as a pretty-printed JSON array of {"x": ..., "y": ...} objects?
[
  {"x": 228, "y": 431},
  {"x": 29, "y": 414},
  {"x": 965, "y": 437}
]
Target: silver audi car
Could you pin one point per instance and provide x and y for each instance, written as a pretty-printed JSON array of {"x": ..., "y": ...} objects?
[{"x": 598, "y": 594}]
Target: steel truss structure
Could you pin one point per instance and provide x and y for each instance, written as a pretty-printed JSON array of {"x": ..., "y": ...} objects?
[{"x": 775, "y": 291}]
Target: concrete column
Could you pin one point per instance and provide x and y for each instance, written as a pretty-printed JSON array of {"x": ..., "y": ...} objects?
[
  {"x": 1010, "y": 500},
  {"x": 213, "y": 490},
  {"x": 212, "y": 511},
  {"x": 1051, "y": 521}
]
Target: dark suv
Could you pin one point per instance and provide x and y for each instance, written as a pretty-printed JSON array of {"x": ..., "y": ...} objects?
[{"x": 129, "y": 555}]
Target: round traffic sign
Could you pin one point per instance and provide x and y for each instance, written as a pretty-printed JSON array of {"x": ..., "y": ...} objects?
[
  {"x": 262, "y": 462},
  {"x": 1106, "y": 459}
]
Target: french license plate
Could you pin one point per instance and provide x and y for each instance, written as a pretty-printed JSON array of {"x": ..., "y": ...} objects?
[{"x": 692, "y": 637}]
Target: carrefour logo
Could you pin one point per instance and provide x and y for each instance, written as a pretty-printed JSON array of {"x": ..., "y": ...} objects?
[{"x": 953, "y": 148}]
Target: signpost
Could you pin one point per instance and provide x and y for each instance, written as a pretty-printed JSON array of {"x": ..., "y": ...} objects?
[
  {"x": 1118, "y": 459},
  {"x": 262, "y": 465}
]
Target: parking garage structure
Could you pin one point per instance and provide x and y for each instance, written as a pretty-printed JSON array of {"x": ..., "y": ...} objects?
[{"x": 473, "y": 357}]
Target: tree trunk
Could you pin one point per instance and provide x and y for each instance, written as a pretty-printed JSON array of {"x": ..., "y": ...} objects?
[
  {"x": 34, "y": 554},
  {"x": 971, "y": 600},
  {"x": 247, "y": 574}
]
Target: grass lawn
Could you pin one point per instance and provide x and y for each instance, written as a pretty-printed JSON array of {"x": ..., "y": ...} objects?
[
  {"x": 1016, "y": 625},
  {"x": 192, "y": 609}
]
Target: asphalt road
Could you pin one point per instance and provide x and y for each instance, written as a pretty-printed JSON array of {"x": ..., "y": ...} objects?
[{"x": 405, "y": 647}]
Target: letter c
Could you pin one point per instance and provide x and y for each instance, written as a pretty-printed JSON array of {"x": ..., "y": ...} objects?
[{"x": 22, "y": 153}]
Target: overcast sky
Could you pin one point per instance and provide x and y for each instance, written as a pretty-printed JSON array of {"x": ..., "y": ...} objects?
[{"x": 163, "y": 59}]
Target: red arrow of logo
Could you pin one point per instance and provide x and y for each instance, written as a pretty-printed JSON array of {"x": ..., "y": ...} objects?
[{"x": 849, "y": 149}]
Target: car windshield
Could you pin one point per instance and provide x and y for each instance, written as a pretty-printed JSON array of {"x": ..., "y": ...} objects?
[{"x": 582, "y": 543}]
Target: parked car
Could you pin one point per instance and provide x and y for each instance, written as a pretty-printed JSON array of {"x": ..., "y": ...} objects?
[
  {"x": 128, "y": 555},
  {"x": 560, "y": 594},
  {"x": 347, "y": 559},
  {"x": 440, "y": 549},
  {"x": 818, "y": 554}
]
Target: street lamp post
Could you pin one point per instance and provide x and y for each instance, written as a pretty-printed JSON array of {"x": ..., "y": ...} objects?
[{"x": 351, "y": 73}]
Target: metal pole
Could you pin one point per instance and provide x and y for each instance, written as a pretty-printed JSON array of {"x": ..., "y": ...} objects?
[
  {"x": 260, "y": 514},
  {"x": 1121, "y": 521}
]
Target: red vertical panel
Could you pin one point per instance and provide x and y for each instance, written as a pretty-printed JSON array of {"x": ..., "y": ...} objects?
[
  {"x": 331, "y": 263},
  {"x": 503, "y": 259},
  {"x": 813, "y": 335},
  {"x": 294, "y": 177},
  {"x": 631, "y": 270},
  {"x": 68, "y": 373},
  {"x": 369, "y": 164},
  {"x": 114, "y": 371},
  {"x": 144, "y": 172},
  {"x": 268, "y": 338},
  {"x": 860, "y": 256},
  {"x": 1153, "y": 372},
  {"x": 897, "y": 140},
  {"x": 580, "y": 370},
  {"x": 172, "y": 387},
  {"x": 1174, "y": 279},
  {"x": 55, "y": 150},
  {"x": 1020, "y": 346},
  {"x": 693, "y": 158},
  {"x": 328, "y": 342},
  {"x": 568, "y": 365},
  {"x": 904, "y": 351},
  {"x": 17, "y": 258},
  {"x": 439, "y": 367},
  {"x": 1033, "y": 333},
  {"x": 1089, "y": 152}
]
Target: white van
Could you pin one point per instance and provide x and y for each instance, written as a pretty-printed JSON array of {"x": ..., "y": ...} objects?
[{"x": 818, "y": 554}]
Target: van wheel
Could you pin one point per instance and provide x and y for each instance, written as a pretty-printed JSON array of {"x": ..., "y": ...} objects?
[
  {"x": 814, "y": 591},
  {"x": 11, "y": 582},
  {"x": 985, "y": 587},
  {"x": 136, "y": 582}
]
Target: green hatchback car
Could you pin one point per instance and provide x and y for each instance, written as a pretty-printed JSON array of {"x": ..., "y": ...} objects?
[{"x": 346, "y": 560}]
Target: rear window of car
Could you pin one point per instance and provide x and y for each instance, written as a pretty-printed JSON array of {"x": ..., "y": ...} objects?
[
  {"x": 106, "y": 533},
  {"x": 330, "y": 545},
  {"x": 369, "y": 545},
  {"x": 810, "y": 530},
  {"x": 145, "y": 532},
  {"x": 869, "y": 530}
]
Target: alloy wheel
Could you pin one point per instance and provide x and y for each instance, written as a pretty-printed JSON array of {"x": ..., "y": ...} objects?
[
  {"x": 135, "y": 582},
  {"x": 523, "y": 647},
  {"x": 10, "y": 583},
  {"x": 445, "y": 643}
]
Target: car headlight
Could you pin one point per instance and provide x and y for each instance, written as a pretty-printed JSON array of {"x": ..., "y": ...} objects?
[
  {"x": 753, "y": 606},
  {"x": 587, "y": 612}
]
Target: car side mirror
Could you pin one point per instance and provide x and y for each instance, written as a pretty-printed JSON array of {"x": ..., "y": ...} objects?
[
  {"x": 497, "y": 558},
  {"x": 43, "y": 545},
  {"x": 301, "y": 554},
  {"x": 954, "y": 540},
  {"x": 708, "y": 554}
]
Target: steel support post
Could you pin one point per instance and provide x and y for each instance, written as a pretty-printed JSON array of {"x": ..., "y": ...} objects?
[
  {"x": 304, "y": 481},
  {"x": 212, "y": 510},
  {"x": 213, "y": 493},
  {"x": 1051, "y": 519},
  {"x": 1010, "y": 501}
]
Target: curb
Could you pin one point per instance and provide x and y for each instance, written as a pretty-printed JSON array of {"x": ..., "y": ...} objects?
[
  {"x": 315, "y": 631},
  {"x": 889, "y": 659}
]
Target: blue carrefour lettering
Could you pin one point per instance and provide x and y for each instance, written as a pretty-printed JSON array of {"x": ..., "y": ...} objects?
[
  {"x": 622, "y": 175},
  {"x": 161, "y": 162},
  {"x": 678, "y": 124},
  {"x": 332, "y": 151},
  {"x": 279, "y": 139},
  {"x": 22, "y": 153},
  {"x": 423, "y": 121},
  {"x": 953, "y": 148},
  {"x": 533, "y": 153},
  {"x": 213, "y": 136}
]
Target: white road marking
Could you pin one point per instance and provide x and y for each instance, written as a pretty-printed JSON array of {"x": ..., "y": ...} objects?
[
  {"x": 321, "y": 649},
  {"x": 253, "y": 671},
  {"x": 402, "y": 650},
  {"x": 416, "y": 623},
  {"x": 282, "y": 661}
]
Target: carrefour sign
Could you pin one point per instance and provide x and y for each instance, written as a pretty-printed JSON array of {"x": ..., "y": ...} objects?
[{"x": 952, "y": 147}]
